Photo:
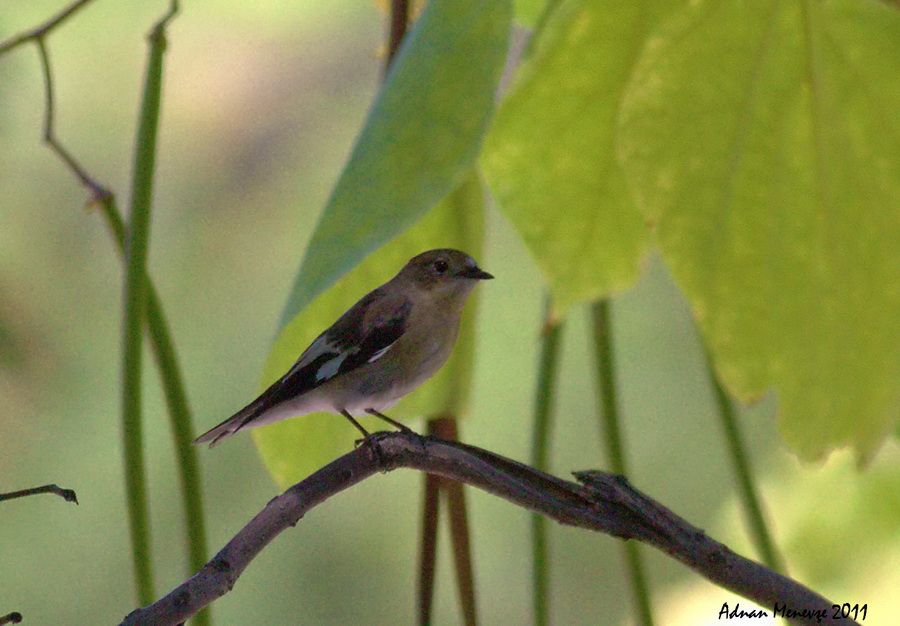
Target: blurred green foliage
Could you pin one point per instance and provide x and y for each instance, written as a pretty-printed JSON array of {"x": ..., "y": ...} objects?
[{"x": 261, "y": 107}]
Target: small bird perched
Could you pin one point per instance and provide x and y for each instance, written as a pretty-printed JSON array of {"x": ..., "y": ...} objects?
[{"x": 387, "y": 344}]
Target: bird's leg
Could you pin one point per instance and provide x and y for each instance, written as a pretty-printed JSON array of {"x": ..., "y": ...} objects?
[
  {"x": 392, "y": 422},
  {"x": 353, "y": 421},
  {"x": 367, "y": 439}
]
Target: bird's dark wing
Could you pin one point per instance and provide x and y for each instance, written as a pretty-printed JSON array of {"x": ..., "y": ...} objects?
[{"x": 362, "y": 335}]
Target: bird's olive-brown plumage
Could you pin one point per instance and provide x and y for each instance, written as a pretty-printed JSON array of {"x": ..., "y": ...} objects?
[{"x": 387, "y": 344}]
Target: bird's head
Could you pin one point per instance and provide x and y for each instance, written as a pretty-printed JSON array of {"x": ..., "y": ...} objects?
[{"x": 445, "y": 271}]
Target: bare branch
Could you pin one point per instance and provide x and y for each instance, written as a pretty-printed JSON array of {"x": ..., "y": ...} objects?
[
  {"x": 604, "y": 503},
  {"x": 43, "y": 29},
  {"x": 66, "y": 494},
  {"x": 11, "y": 618}
]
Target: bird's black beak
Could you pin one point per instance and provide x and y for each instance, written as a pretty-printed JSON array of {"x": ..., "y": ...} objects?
[{"x": 475, "y": 273}]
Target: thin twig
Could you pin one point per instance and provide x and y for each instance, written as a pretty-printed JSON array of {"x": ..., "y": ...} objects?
[
  {"x": 604, "y": 502},
  {"x": 38, "y": 35},
  {"x": 66, "y": 494},
  {"x": 98, "y": 191},
  {"x": 43, "y": 29}
]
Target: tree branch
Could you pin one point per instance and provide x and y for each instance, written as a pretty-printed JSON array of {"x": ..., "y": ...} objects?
[
  {"x": 66, "y": 494},
  {"x": 604, "y": 503}
]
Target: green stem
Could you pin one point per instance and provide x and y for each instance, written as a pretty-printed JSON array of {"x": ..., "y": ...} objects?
[
  {"x": 161, "y": 342},
  {"x": 606, "y": 386},
  {"x": 179, "y": 413},
  {"x": 540, "y": 445},
  {"x": 182, "y": 430},
  {"x": 746, "y": 486},
  {"x": 137, "y": 239}
]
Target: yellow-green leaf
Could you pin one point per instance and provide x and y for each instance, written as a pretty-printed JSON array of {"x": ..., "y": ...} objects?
[
  {"x": 763, "y": 138},
  {"x": 528, "y": 12},
  {"x": 549, "y": 156}
]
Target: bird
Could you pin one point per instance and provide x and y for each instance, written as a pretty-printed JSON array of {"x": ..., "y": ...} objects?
[{"x": 383, "y": 347}]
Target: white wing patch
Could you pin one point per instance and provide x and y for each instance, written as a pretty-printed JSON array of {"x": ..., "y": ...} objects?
[
  {"x": 381, "y": 352},
  {"x": 317, "y": 348},
  {"x": 323, "y": 345},
  {"x": 330, "y": 367}
]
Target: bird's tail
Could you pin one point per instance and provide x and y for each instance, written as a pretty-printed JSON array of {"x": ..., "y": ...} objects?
[{"x": 227, "y": 428}]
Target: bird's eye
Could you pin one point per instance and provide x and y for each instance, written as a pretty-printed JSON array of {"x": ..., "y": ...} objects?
[{"x": 440, "y": 266}]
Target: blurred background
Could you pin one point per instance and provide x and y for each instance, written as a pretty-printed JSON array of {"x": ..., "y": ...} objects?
[{"x": 261, "y": 104}]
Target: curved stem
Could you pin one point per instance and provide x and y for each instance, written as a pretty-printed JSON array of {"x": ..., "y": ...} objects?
[
  {"x": 606, "y": 386},
  {"x": 180, "y": 421}
]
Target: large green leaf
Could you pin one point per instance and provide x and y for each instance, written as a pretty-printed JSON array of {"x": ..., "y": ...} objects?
[
  {"x": 420, "y": 139},
  {"x": 549, "y": 156},
  {"x": 292, "y": 449},
  {"x": 763, "y": 139},
  {"x": 528, "y": 12}
]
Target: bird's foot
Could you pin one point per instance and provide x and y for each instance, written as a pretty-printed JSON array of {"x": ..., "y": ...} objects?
[{"x": 373, "y": 442}]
